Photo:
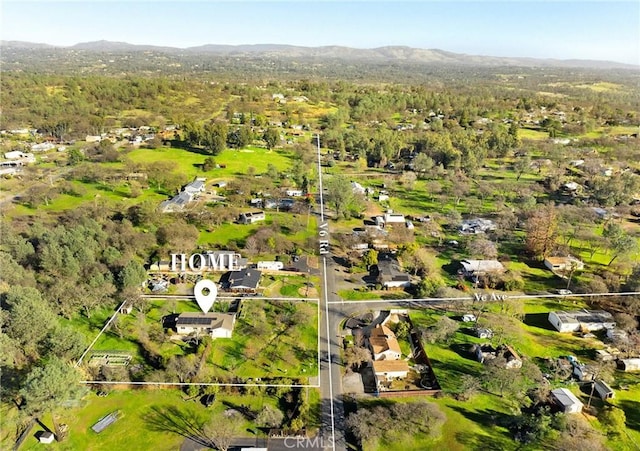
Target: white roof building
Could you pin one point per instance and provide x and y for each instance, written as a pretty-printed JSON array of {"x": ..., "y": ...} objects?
[
  {"x": 629, "y": 364},
  {"x": 567, "y": 401},
  {"x": 577, "y": 320},
  {"x": 563, "y": 263},
  {"x": 479, "y": 267}
]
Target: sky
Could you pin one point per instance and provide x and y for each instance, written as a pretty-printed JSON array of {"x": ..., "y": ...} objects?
[{"x": 568, "y": 29}]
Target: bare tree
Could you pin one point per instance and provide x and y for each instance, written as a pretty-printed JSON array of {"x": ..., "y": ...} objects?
[
  {"x": 221, "y": 431},
  {"x": 356, "y": 355}
]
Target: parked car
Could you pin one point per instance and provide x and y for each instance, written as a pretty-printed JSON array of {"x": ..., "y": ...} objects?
[
  {"x": 564, "y": 292},
  {"x": 468, "y": 318}
]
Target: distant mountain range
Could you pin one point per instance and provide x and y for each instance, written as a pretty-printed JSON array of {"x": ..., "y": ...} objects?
[{"x": 390, "y": 54}]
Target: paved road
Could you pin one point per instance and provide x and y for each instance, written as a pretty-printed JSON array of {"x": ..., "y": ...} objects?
[
  {"x": 273, "y": 444},
  {"x": 333, "y": 421}
]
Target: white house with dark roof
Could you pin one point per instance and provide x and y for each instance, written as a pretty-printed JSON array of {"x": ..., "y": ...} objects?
[{"x": 216, "y": 325}]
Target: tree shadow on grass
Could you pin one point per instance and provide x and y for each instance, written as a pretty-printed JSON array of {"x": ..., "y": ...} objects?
[
  {"x": 463, "y": 350},
  {"x": 243, "y": 409},
  {"x": 186, "y": 423},
  {"x": 632, "y": 411},
  {"x": 476, "y": 441},
  {"x": 540, "y": 320},
  {"x": 485, "y": 417}
]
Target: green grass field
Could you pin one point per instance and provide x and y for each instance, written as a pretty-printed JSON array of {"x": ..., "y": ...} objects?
[
  {"x": 151, "y": 420},
  {"x": 283, "y": 352},
  {"x": 236, "y": 161}
]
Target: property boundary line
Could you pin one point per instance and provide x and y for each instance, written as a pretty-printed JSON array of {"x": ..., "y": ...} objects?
[
  {"x": 213, "y": 384},
  {"x": 189, "y": 298},
  {"x": 489, "y": 298},
  {"x": 99, "y": 334}
]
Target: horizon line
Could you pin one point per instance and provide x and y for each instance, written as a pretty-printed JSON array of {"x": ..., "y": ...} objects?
[{"x": 3, "y": 42}]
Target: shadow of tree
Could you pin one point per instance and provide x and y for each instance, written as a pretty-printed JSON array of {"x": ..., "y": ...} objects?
[
  {"x": 244, "y": 410},
  {"x": 540, "y": 320},
  {"x": 632, "y": 411},
  {"x": 184, "y": 422},
  {"x": 489, "y": 418}
]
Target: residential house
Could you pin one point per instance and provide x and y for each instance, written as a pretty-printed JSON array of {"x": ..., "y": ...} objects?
[
  {"x": 177, "y": 203},
  {"x": 487, "y": 352},
  {"x": 251, "y": 217},
  {"x": 471, "y": 268},
  {"x": 577, "y": 320},
  {"x": 393, "y": 218},
  {"x": 384, "y": 344},
  {"x": 189, "y": 193},
  {"x": 389, "y": 273},
  {"x": 196, "y": 187},
  {"x": 245, "y": 280},
  {"x": 216, "y": 325},
  {"x": 563, "y": 264},
  {"x": 390, "y": 369},
  {"x": 567, "y": 401}
]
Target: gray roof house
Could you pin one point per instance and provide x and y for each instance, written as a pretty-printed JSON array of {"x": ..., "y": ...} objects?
[
  {"x": 389, "y": 273},
  {"x": 195, "y": 187},
  {"x": 245, "y": 280},
  {"x": 177, "y": 203}
]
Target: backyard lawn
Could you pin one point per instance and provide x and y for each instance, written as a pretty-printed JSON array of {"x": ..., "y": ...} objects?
[{"x": 150, "y": 420}]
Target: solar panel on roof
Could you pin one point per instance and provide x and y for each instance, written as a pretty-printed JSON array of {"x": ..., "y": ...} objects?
[{"x": 203, "y": 320}]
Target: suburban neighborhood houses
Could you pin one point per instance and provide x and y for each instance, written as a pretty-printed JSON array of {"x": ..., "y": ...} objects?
[{"x": 275, "y": 247}]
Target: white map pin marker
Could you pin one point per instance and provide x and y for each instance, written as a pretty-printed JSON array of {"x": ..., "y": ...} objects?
[{"x": 205, "y": 301}]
